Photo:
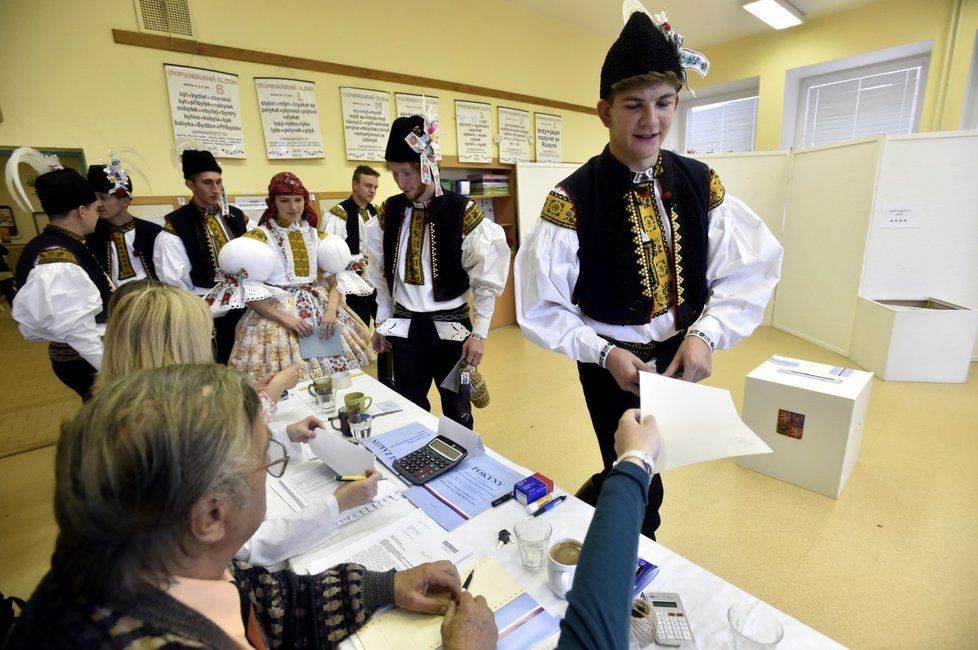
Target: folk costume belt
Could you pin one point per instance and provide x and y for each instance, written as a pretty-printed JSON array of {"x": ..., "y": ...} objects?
[
  {"x": 456, "y": 315},
  {"x": 652, "y": 350}
]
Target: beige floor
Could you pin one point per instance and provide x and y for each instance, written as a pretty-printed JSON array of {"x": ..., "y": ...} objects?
[{"x": 893, "y": 563}]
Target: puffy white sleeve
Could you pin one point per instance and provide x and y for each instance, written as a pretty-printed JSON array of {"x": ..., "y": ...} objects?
[
  {"x": 281, "y": 538},
  {"x": 546, "y": 273},
  {"x": 59, "y": 302},
  {"x": 375, "y": 269},
  {"x": 333, "y": 225},
  {"x": 485, "y": 257},
  {"x": 172, "y": 263},
  {"x": 743, "y": 267}
]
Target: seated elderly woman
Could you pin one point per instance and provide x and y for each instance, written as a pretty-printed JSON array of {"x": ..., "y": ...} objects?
[
  {"x": 160, "y": 479},
  {"x": 151, "y": 325}
]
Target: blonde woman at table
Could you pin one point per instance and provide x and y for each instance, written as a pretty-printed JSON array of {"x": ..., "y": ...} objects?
[
  {"x": 153, "y": 325},
  {"x": 160, "y": 478},
  {"x": 599, "y": 605}
]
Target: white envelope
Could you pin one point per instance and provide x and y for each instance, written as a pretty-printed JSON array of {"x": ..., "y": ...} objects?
[{"x": 342, "y": 456}]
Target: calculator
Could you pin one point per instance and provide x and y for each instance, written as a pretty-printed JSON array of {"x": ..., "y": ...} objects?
[
  {"x": 669, "y": 618},
  {"x": 437, "y": 457}
]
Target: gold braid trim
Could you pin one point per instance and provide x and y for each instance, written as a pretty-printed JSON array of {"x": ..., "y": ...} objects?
[
  {"x": 257, "y": 233},
  {"x": 382, "y": 214},
  {"x": 300, "y": 254},
  {"x": 168, "y": 227},
  {"x": 57, "y": 256},
  {"x": 717, "y": 193},
  {"x": 338, "y": 211},
  {"x": 677, "y": 256},
  {"x": 216, "y": 239},
  {"x": 323, "y": 235},
  {"x": 635, "y": 225},
  {"x": 473, "y": 217},
  {"x": 559, "y": 210},
  {"x": 413, "y": 269},
  {"x": 126, "y": 269}
]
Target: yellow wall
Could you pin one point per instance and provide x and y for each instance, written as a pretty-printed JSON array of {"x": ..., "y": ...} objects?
[
  {"x": 64, "y": 83},
  {"x": 868, "y": 28}
]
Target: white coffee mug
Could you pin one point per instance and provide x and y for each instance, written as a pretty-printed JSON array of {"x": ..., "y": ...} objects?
[{"x": 561, "y": 565}]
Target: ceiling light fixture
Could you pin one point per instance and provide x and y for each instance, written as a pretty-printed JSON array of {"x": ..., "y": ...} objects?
[{"x": 776, "y": 13}]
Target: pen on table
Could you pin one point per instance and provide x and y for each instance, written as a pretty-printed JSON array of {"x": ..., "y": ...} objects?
[
  {"x": 503, "y": 499},
  {"x": 468, "y": 580},
  {"x": 549, "y": 506},
  {"x": 356, "y": 477}
]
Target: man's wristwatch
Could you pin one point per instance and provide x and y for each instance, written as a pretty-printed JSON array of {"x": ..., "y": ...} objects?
[{"x": 638, "y": 455}]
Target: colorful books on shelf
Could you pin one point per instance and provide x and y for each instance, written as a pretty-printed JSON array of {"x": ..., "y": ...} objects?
[{"x": 489, "y": 183}]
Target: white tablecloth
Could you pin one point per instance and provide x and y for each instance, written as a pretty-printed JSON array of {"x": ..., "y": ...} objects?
[{"x": 705, "y": 596}]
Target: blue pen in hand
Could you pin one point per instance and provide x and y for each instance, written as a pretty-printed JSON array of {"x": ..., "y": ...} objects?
[{"x": 549, "y": 506}]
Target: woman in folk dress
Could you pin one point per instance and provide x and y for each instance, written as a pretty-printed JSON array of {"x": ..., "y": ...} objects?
[{"x": 267, "y": 338}]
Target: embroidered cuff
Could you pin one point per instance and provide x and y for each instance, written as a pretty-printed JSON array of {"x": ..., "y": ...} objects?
[
  {"x": 704, "y": 337},
  {"x": 603, "y": 356}
]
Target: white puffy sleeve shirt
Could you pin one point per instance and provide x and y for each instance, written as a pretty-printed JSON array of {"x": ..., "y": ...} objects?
[
  {"x": 485, "y": 257},
  {"x": 59, "y": 303},
  {"x": 743, "y": 266}
]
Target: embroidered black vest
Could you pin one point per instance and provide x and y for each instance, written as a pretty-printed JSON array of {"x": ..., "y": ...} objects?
[
  {"x": 51, "y": 238},
  {"x": 613, "y": 285},
  {"x": 188, "y": 224},
  {"x": 146, "y": 232},
  {"x": 446, "y": 221},
  {"x": 353, "y": 222}
]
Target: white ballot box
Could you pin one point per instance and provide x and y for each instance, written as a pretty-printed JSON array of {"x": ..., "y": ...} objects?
[
  {"x": 914, "y": 340},
  {"x": 812, "y": 415}
]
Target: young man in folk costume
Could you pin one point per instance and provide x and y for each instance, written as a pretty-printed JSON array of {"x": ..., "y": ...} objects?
[
  {"x": 122, "y": 243},
  {"x": 429, "y": 250},
  {"x": 348, "y": 220},
  {"x": 63, "y": 289},
  {"x": 186, "y": 251},
  {"x": 641, "y": 261}
]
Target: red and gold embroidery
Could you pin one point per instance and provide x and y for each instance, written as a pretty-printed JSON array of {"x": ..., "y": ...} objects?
[
  {"x": 56, "y": 256},
  {"x": 413, "y": 268},
  {"x": 655, "y": 251},
  {"x": 126, "y": 269}
]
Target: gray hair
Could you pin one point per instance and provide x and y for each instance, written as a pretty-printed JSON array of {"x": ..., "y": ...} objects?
[{"x": 134, "y": 461}]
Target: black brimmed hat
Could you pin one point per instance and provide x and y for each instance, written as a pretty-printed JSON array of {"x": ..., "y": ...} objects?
[
  {"x": 63, "y": 190},
  {"x": 195, "y": 162}
]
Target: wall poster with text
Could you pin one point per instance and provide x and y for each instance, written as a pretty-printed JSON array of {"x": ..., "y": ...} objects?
[
  {"x": 366, "y": 122},
  {"x": 205, "y": 106},
  {"x": 289, "y": 118}
]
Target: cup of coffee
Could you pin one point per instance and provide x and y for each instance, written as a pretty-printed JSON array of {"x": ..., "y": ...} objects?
[
  {"x": 341, "y": 422},
  {"x": 360, "y": 425},
  {"x": 358, "y": 401},
  {"x": 561, "y": 565},
  {"x": 320, "y": 384}
]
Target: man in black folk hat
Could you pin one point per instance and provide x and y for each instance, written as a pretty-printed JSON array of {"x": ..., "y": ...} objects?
[
  {"x": 122, "y": 243},
  {"x": 348, "y": 220},
  {"x": 63, "y": 289},
  {"x": 640, "y": 260},
  {"x": 186, "y": 251},
  {"x": 428, "y": 250}
]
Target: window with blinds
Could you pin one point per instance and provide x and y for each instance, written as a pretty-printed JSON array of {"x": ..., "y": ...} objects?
[
  {"x": 721, "y": 126},
  {"x": 860, "y": 102}
]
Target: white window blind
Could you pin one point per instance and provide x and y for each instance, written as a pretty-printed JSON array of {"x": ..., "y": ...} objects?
[
  {"x": 861, "y": 102},
  {"x": 721, "y": 126}
]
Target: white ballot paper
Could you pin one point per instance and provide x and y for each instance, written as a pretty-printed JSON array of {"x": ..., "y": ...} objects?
[
  {"x": 403, "y": 544},
  {"x": 697, "y": 423},
  {"x": 344, "y": 457}
]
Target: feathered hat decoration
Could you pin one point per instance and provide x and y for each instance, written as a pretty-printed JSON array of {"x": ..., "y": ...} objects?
[
  {"x": 42, "y": 164},
  {"x": 117, "y": 172}
]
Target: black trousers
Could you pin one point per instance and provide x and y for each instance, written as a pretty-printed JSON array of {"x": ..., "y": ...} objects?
[
  {"x": 224, "y": 334},
  {"x": 366, "y": 308},
  {"x": 78, "y": 375},
  {"x": 606, "y": 402},
  {"x": 423, "y": 358}
]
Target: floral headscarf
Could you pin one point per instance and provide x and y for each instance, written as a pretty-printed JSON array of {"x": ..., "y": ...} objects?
[{"x": 287, "y": 183}]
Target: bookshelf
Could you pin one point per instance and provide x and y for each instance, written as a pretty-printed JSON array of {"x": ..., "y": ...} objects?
[{"x": 505, "y": 214}]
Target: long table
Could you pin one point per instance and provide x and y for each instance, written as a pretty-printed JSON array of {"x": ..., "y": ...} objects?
[{"x": 705, "y": 596}]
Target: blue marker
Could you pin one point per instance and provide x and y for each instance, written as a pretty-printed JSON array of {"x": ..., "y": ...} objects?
[{"x": 549, "y": 506}]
